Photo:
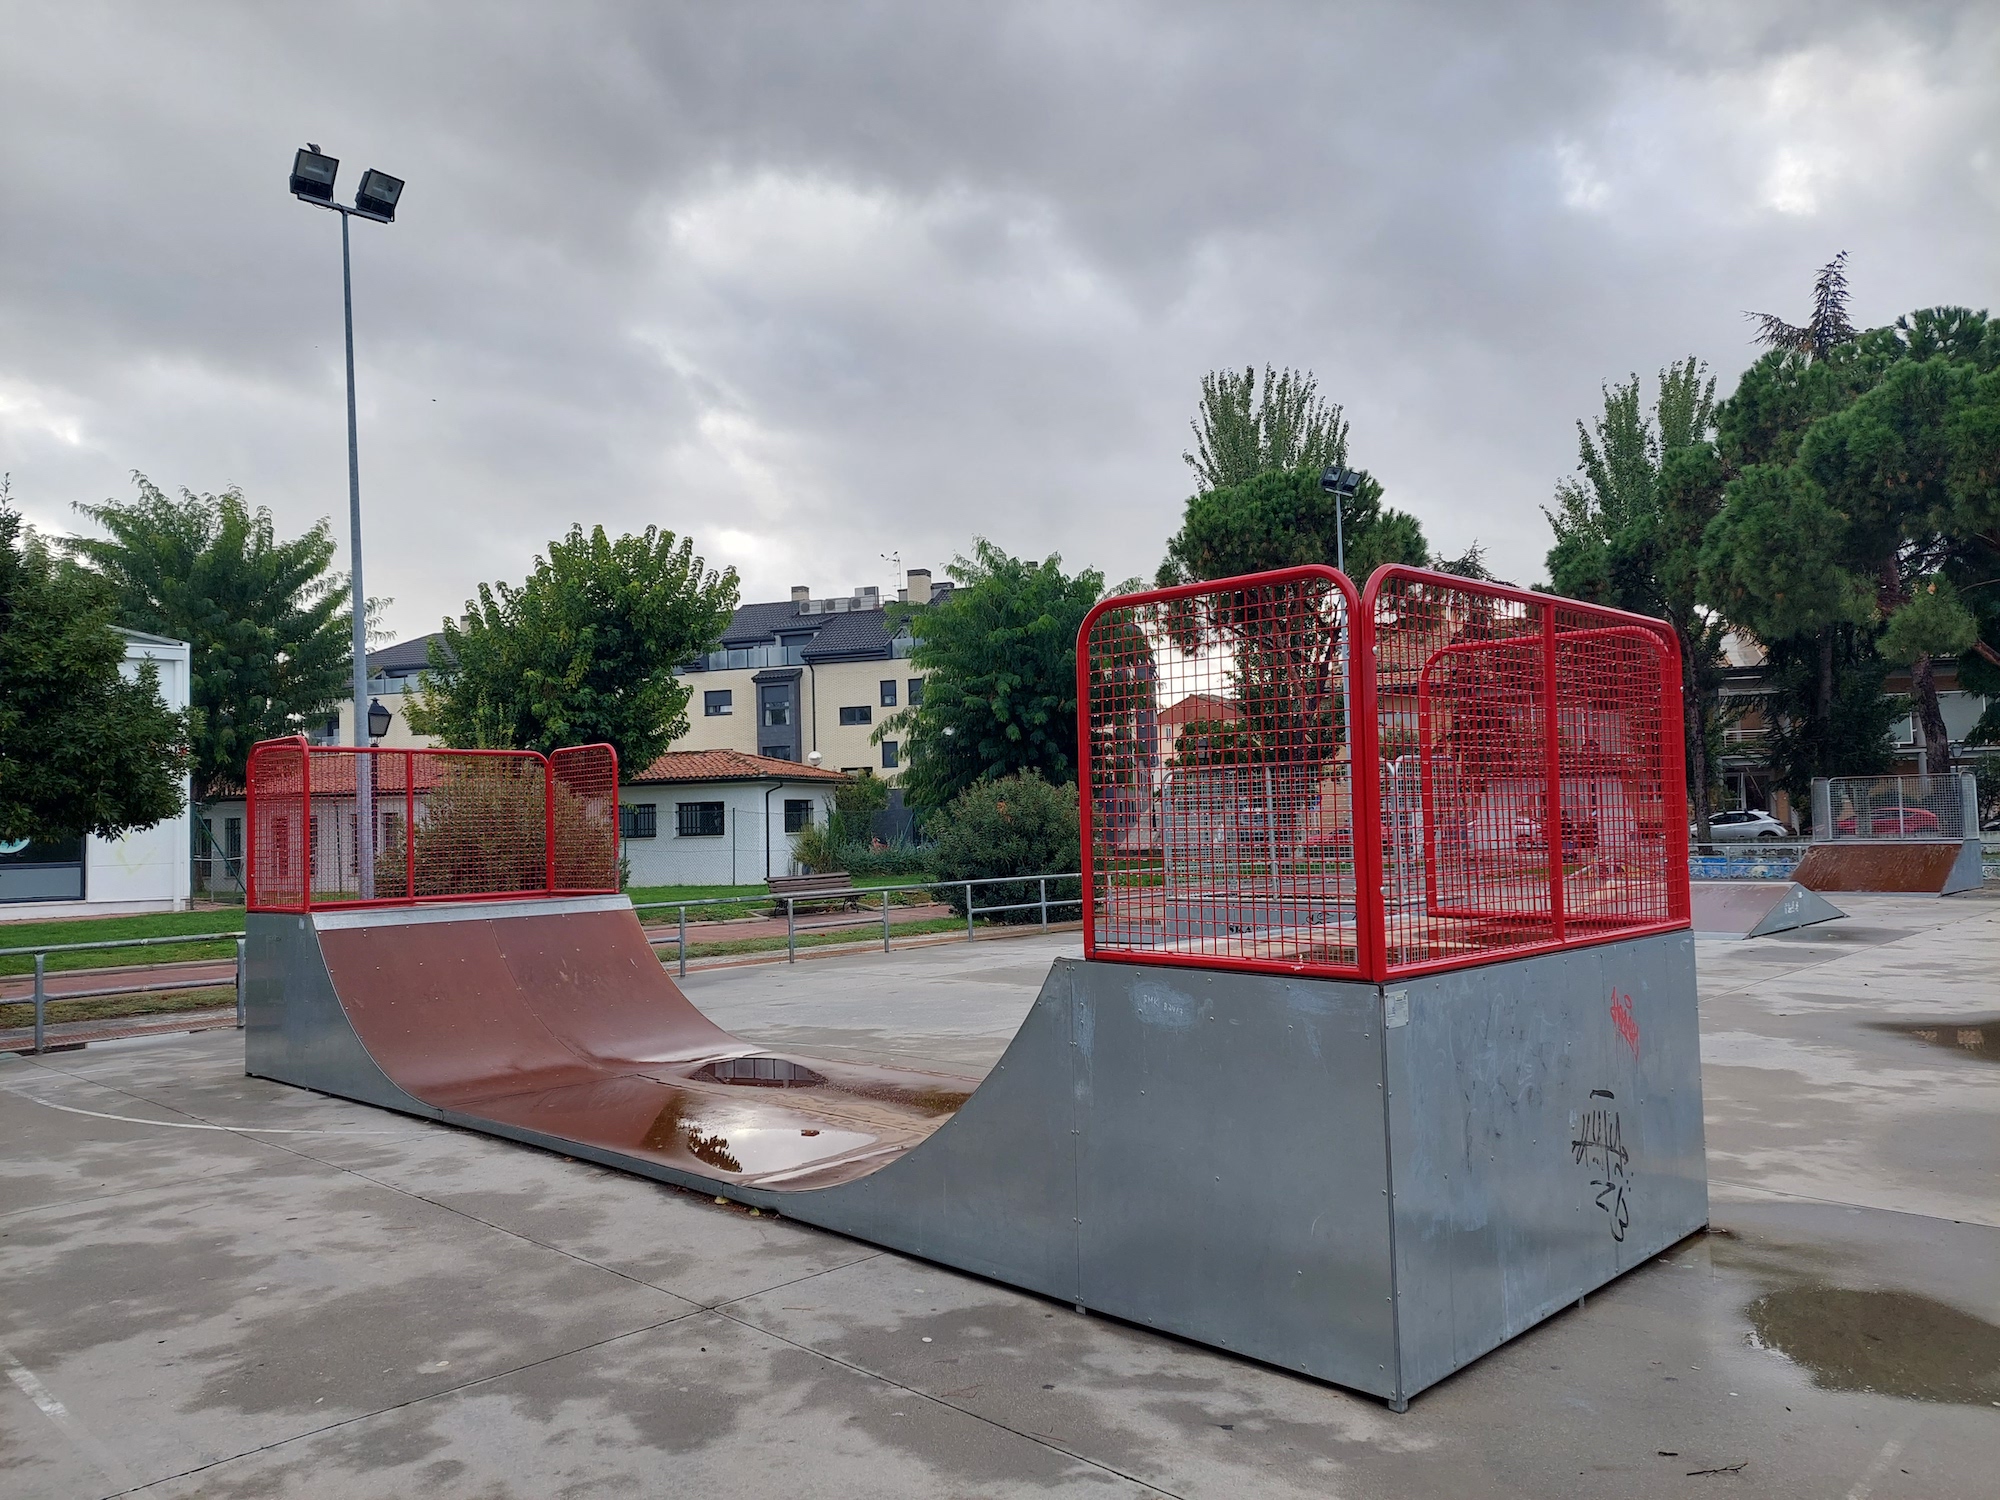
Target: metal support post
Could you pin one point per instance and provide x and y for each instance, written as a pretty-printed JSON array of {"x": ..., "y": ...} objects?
[
  {"x": 684, "y": 942},
  {"x": 364, "y": 771},
  {"x": 41, "y": 996},
  {"x": 241, "y": 1015},
  {"x": 885, "y": 921},
  {"x": 1045, "y": 903},
  {"x": 968, "y": 911},
  {"x": 791, "y": 930}
]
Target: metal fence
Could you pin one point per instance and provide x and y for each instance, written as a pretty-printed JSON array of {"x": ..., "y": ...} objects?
[
  {"x": 1902, "y": 809},
  {"x": 352, "y": 826},
  {"x": 1043, "y": 903},
  {"x": 40, "y": 998},
  {"x": 1280, "y": 775}
]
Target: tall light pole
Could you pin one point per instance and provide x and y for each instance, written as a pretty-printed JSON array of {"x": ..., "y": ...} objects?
[
  {"x": 1341, "y": 483},
  {"x": 312, "y": 182}
]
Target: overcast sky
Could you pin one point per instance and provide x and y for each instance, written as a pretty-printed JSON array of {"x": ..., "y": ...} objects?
[{"x": 814, "y": 283}]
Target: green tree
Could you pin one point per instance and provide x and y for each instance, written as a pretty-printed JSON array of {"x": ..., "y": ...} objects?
[
  {"x": 1628, "y": 534},
  {"x": 1853, "y": 523},
  {"x": 1280, "y": 519},
  {"x": 583, "y": 651},
  {"x": 1001, "y": 694},
  {"x": 1011, "y": 825},
  {"x": 1828, "y": 326},
  {"x": 268, "y": 645},
  {"x": 82, "y": 750},
  {"x": 1240, "y": 433}
]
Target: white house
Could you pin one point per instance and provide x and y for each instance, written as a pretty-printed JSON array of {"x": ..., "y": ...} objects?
[
  {"x": 146, "y": 870},
  {"x": 719, "y": 817}
]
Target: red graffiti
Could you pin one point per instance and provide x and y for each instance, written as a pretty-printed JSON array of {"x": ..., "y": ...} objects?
[{"x": 1625, "y": 1021}]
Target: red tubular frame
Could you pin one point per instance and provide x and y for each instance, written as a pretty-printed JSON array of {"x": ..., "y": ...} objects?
[
  {"x": 306, "y": 751},
  {"x": 1362, "y": 715}
]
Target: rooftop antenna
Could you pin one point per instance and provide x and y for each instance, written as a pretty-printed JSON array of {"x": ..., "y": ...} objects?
[{"x": 895, "y": 561}]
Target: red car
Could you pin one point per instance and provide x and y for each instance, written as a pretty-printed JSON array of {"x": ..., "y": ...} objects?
[{"x": 1892, "y": 822}]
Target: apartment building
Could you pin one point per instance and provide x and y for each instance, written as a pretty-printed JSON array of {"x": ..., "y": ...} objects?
[{"x": 803, "y": 678}]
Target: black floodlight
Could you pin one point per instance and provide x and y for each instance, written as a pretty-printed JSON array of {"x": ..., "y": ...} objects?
[
  {"x": 378, "y": 719},
  {"x": 1339, "y": 481},
  {"x": 377, "y": 195},
  {"x": 313, "y": 174}
]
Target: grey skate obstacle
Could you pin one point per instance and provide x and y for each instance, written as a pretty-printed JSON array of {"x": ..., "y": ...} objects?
[
  {"x": 1908, "y": 835},
  {"x": 1345, "y": 1082},
  {"x": 1756, "y": 908}
]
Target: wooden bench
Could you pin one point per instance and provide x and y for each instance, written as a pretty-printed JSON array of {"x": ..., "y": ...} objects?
[{"x": 830, "y": 883}]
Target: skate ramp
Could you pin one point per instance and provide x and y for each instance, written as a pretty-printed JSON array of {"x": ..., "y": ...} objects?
[
  {"x": 1935, "y": 868},
  {"x": 1755, "y": 908}
]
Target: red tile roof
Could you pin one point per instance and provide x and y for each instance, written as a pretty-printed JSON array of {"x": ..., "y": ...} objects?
[
  {"x": 1199, "y": 706},
  {"x": 730, "y": 765}
]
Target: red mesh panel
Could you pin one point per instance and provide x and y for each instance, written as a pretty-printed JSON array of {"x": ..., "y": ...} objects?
[
  {"x": 1217, "y": 822},
  {"x": 392, "y": 826},
  {"x": 275, "y": 862},
  {"x": 1518, "y": 781},
  {"x": 583, "y": 808},
  {"x": 1508, "y": 825}
]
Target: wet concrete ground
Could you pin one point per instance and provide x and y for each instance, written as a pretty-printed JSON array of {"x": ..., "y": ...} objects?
[{"x": 320, "y": 1299}]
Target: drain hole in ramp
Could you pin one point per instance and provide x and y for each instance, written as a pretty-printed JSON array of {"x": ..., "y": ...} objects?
[{"x": 760, "y": 1073}]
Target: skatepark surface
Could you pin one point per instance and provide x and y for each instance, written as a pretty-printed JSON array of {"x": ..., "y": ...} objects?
[{"x": 319, "y": 1298}]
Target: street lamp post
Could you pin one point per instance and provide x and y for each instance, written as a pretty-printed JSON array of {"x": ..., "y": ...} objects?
[
  {"x": 1341, "y": 483},
  {"x": 312, "y": 182}
]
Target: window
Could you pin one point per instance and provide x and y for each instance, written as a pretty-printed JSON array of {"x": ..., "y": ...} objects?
[
  {"x": 861, "y": 715},
  {"x": 639, "y": 820},
  {"x": 798, "y": 814},
  {"x": 716, "y": 702},
  {"x": 232, "y": 839},
  {"x": 777, "y": 711},
  {"x": 698, "y": 820},
  {"x": 778, "y": 752},
  {"x": 916, "y": 691},
  {"x": 888, "y": 692},
  {"x": 888, "y": 755}
]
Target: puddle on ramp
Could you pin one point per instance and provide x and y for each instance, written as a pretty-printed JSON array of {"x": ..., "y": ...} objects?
[
  {"x": 1881, "y": 1342},
  {"x": 1971, "y": 1037}
]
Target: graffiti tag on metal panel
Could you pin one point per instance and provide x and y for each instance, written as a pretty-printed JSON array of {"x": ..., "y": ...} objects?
[{"x": 1597, "y": 1140}]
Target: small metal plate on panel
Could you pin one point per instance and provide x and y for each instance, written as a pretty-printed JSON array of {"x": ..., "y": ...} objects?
[{"x": 1395, "y": 1008}]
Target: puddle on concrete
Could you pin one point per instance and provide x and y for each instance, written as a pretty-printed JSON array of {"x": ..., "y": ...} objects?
[
  {"x": 1885, "y": 1343},
  {"x": 1972, "y": 1037}
]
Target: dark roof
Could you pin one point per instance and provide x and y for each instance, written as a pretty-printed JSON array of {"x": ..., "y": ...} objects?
[
  {"x": 403, "y": 656},
  {"x": 754, "y": 624},
  {"x": 863, "y": 634},
  {"x": 760, "y": 622}
]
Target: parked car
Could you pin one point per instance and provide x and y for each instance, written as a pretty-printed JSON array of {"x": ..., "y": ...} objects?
[
  {"x": 1729, "y": 827},
  {"x": 1892, "y": 822}
]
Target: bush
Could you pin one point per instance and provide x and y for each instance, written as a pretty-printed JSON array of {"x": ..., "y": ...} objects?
[
  {"x": 819, "y": 848},
  {"x": 1019, "y": 825}
]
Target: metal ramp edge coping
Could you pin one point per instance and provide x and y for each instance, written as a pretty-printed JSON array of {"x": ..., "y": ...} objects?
[
  {"x": 1730, "y": 910},
  {"x": 1146, "y": 1141}
]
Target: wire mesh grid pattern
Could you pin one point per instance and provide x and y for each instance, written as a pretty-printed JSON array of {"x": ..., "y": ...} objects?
[
  {"x": 1218, "y": 823},
  {"x": 1515, "y": 774},
  {"x": 1903, "y": 809},
  {"x": 336, "y": 826}
]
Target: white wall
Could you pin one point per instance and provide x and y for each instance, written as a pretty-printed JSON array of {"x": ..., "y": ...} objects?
[
  {"x": 740, "y": 855},
  {"x": 146, "y": 870}
]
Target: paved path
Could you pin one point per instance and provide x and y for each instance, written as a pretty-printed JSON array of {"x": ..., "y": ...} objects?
[{"x": 324, "y": 1300}]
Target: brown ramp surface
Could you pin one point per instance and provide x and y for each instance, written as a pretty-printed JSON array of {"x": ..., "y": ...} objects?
[
  {"x": 565, "y": 1023},
  {"x": 1922, "y": 869}
]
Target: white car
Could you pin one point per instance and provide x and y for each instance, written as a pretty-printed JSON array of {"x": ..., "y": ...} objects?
[{"x": 1729, "y": 827}]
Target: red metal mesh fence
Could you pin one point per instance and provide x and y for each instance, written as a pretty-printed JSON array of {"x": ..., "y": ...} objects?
[
  {"x": 337, "y": 826},
  {"x": 1517, "y": 780},
  {"x": 583, "y": 818},
  {"x": 1218, "y": 825}
]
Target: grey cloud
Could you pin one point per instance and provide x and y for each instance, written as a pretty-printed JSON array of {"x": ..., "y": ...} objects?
[{"x": 815, "y": 283}]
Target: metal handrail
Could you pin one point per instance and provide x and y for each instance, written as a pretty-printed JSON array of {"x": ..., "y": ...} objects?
[
  {"x": 1042, "y": 903},
  {"x": 40, "y": 997}
]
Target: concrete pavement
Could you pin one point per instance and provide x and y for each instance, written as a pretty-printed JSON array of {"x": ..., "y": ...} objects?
[{"x": 319, "y": 1299}]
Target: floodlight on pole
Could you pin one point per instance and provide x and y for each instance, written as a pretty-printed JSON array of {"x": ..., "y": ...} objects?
[
  {"x": 1341, "y": 483},
  {"x": 313, "y": 173}
]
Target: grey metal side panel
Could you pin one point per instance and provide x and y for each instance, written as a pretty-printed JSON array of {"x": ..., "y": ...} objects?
[
  {"x": 1966, "y": 872},
  {"x": 294, "y": 1027},
  {"x": 1232, "y": 1169},
  {"x": 1539, "y": 1149},
  {"x": 993, "y": 1191}
]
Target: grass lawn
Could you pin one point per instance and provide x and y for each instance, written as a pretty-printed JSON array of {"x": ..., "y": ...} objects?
[
  {"x": 107, "y": 1007},
  {"x": 106, "y": 929}
]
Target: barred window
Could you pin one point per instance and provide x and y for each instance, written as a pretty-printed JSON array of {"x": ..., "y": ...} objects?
[
  {"x": 694, "y": 820},
  {"x": 639, "y": 820},
  {"x": 798, "y": 814}
]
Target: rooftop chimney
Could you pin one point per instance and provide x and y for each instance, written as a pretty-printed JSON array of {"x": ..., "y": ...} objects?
[
  {"x": 919, "y": 591},
  {"x": 801, "y": 595}
]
